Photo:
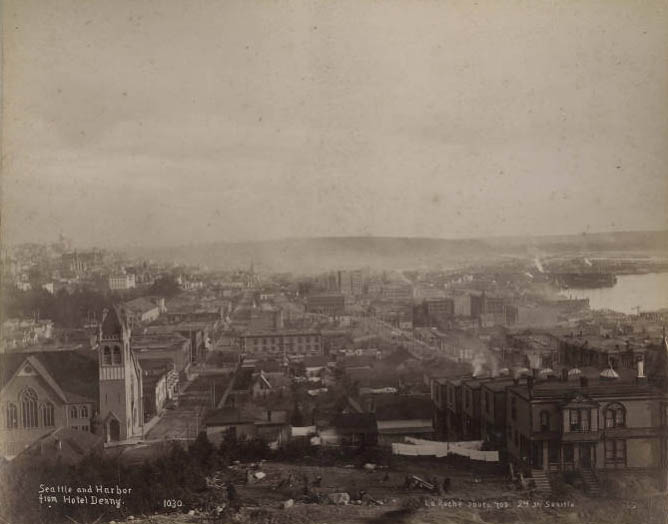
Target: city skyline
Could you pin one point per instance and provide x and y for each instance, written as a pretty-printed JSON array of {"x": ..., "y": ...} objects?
[{"x": 165, "y": 124}]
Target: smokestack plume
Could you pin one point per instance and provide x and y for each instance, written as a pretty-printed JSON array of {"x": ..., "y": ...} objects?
[{"x": 477, "y": 364}]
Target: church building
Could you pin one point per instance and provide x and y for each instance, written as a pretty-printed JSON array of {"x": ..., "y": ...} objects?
[{"x": 121, "y": 408}]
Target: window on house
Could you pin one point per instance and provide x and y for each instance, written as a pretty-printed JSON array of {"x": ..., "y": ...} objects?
[
  {"x": 615, "y": 416},
  {"x": 11, "y": 416},
  {"x": 615, "y": 451},
  {"x": 106, "y": 355},
  {"x": 568, "y": 453},
  {"x": 580, "y": 419},
  {"x": 544, "y": 421},
  {"x": 116, "y": 356},
  {"x": 29, "y": 408},
  {"x": 48, "y": 414},
  {"x": 74, "y": 413},
  {"x": 83, "y": 412},
  {"x": 573, "y": 419}
]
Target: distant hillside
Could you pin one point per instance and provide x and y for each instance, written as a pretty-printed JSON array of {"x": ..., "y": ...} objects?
[{"x": 319, "y": 254}]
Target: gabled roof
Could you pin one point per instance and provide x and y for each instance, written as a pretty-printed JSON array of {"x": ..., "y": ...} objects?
[
  {"x": 62, "y": 444},
  {"x": 73, "y": 374},
  {"x": 396, "y": 407},
  {"x": 140, "y": 305}
]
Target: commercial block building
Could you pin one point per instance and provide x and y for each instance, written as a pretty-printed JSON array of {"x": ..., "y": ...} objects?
[
  {"x": 330, "y": 304},
  {"x": 282, "y": 343}
]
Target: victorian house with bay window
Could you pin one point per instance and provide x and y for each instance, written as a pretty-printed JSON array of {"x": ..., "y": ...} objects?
[{"x": 608, "y": 420}]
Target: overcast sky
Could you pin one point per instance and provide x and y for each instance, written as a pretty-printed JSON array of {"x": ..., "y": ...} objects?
[{"x": 168, "y": 122}]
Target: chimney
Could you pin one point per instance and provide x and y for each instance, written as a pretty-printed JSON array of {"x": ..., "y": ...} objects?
[
  {"x": 564, "y": 375},
  {"x": 584, "y": 382}
]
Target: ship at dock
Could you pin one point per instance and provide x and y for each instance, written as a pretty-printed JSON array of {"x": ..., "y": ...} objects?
[{"x": 584, "y": 280}]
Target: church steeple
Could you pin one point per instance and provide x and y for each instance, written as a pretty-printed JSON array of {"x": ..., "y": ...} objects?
[{"x": 120, "y": 379}]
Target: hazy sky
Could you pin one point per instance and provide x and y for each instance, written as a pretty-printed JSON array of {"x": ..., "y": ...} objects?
[{"x": 166, "y": 122}]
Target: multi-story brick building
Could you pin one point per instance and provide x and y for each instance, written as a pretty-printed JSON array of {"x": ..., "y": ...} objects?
[
  {"x": 351, "y": 282},
  {"x": 469, "y": 304},
  {"x": 122, "y": 281},
  {"x": 397, "y": 291},
  {"x": 471, "y": 408},
  {"x": 493, "y": 411},
  {"x": 282, "y": 343},
  {"x": 614, "y": 420},
  {"x": 450, "y": 420},
  {"x": 329, "y": 304}
]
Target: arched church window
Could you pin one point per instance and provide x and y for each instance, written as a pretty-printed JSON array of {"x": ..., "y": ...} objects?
[
  {"x": 116, "y": 356},
  {"x": 106, "y": 355},
  {"x": 83, "y": 412},
  {"x": 29, "y": 408}
]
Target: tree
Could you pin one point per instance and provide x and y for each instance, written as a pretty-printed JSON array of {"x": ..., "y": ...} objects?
[
  {"x": 165, "y": 286},
  {"x": 203, "y": 452},
  {"x": 297, "y": 418}
]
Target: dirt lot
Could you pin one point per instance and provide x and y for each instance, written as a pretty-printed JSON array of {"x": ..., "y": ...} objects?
[{"x": 474, "y": 497}]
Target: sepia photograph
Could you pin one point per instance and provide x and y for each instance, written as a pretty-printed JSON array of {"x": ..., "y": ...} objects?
[{"x": 334, "y": 262}]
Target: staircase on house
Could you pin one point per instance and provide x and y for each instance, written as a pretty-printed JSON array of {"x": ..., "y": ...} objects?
[
  {"x": 542, "y": 482},
  {"x": 592, "y": 486}
]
